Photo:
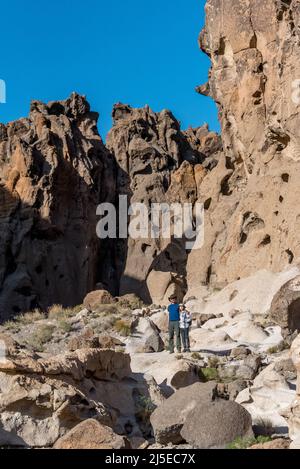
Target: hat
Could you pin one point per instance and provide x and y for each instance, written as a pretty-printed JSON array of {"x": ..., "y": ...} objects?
[{"x": 173, "y": 297}]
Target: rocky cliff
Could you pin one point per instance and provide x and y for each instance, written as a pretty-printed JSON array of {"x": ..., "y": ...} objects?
[
  {"x": 157, "y": 163},
  {"x": 254, "y": 216},
  {"x": 54, "y": 170}
]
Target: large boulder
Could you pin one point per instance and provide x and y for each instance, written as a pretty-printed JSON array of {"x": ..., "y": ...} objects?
[
  {"x": 97, "y": 298},
  {"x": 285, "y": 307},
  {"x": 168, "y": 419},
  {"x": 90, "y": 434},
  {"x": 145, "y": 337},
  {"x": 161, "y": 320},
  {"x": 216, "y": 424},
  {"x": 293, "y": 413},
  {"x": 267, "y": 399},
  {"x": 171, "y": 372}
]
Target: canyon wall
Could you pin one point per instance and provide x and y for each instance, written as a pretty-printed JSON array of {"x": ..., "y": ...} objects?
[
  {"x": 54, "y": 170},
  {"x": 254, "y": 218}
]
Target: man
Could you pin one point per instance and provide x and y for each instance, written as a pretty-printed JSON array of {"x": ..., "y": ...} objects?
[{"x": 174, "y": 318}]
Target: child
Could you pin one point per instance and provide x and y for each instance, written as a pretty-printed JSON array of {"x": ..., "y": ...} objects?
[{"x": 185, "y": 324}]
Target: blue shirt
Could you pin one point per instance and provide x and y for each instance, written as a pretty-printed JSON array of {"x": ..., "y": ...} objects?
[{"x": 174, "y": 314}]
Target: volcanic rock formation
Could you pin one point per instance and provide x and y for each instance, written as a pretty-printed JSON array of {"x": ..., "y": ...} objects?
[
  {"x": 54, "y": 170},
  {"x": 253, "y": 219}
]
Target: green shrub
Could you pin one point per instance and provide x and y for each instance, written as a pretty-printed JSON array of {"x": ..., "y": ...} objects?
[
  {"x": 42, "y": 335},
  {"x": 106, "y": 310},
  {"x": 278, "y": 348},
  {"x": 12, "y": 326},
  {"x": 196, "y": 356},
  {"x": 209, "y": 374},
  {"x": 59, "y": 312},
  {"x": 65, "y": 326},
  {"x": 30, "y": 317},
  {"x": 130, "y": 301},
  {"x": 123, "y": 327},
  {"x": 244, "y": 443},
  {"x": 145, "y": 407},
  {"x": 213, "y": 361}
]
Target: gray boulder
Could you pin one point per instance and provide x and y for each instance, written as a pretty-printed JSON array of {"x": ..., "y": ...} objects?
[
  {"x": 168, "y": 419},
  {"x": 216, "y": 424}
]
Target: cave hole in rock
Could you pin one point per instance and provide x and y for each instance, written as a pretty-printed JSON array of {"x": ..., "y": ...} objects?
[
  {"x": 265, "y": 241},
  {"x": 225, "y": 188},
  {"x": 144, "y": 247},
  {"x": 208, "y": 275},
  {"x": 207, "y": 204},
  {"x": 294, "y": 315},
  {"x": 290, "y": 255},
  {"x": 243, "y": 238},
  {"x": 253, "y": 42},
  {"x": 222, "y": 46},
  {"x": 285, "y": 177},
  {"x": 39, "y": 269}
]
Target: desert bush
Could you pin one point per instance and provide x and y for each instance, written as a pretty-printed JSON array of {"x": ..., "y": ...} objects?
[
  {"x": 106, "y": 310},
  {"x": 42, "y": 335},
  {"x": 130, "y": 301},
  {"x": 196, "y": 356},
  {"x": 123, "y": 327},
  {"x": 244, "y": 443},
  {"x": 12, "y": 326},
  {"x": 30, "y": 317},
  {"x": 59, "y": 312},
  {"x": 213, "y": 361},
  {"x": 278, "y": 348},
  {"x": 145, "y": 407},
  {"x": 64, "y": 325},
  {"x": 209, "y": 374}
]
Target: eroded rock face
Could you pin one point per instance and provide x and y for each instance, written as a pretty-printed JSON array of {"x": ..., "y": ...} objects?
[
  {"x": 253, "y": 215},
  {"x": 41, "y": 399},
  {"x": 54, "y": 171},
  {"x": 157, "y": 163}
]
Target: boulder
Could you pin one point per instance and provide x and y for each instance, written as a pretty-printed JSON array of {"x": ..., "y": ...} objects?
[
  {"x": 268, "y": 399},
  {"x": 293, "y": 412},
  {"x": 171, "y": 372},
  {"x": 96, "y": 298},
  {"x": 216, "y": 424},
  {"x": 245, "y": 369},
  {"x": 285, "y": 307},
  {"x": 161, "y": 320},
  {"x": 168, "y": 419},
  {"x": 90, "y": 434},
  {"x": 145, "y": 337}
]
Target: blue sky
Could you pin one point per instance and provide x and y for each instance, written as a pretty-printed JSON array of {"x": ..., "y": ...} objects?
[{"x": 129, "y": 51}]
